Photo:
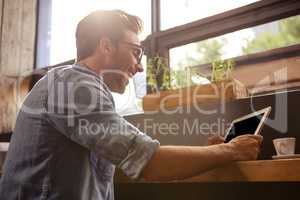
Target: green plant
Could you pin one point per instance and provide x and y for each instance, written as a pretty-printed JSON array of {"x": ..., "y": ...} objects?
[
  {"x": 222, "y": 70},
  {"x": 158, "y": 74},
  {"x": 151, "y": 76},
  {"x": 183, "y": 77}
]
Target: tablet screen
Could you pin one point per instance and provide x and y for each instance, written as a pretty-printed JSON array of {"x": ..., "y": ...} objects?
[{"x": 246, "y": 126}]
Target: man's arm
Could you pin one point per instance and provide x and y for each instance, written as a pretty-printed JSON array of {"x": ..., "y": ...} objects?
[{"x": 180, "y": 162}]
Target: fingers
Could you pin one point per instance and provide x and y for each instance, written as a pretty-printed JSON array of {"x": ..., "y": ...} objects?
[
  {"x": 257, "y": 138},
  {"x": 247, "y": 147},
  {"x": 215, "y": 139}
]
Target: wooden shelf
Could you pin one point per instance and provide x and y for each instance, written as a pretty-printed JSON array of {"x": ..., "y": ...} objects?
[{"x": 191, "y": 96}]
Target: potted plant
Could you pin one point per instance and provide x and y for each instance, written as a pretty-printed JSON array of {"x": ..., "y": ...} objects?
[
  {"x": 223, "y": 78},
  {"x": 158, "y": 74},
  {"x": 222, "y": 70}
]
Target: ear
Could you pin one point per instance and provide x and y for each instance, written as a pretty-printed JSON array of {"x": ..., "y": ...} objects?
[{"x": 106, "y": 46}]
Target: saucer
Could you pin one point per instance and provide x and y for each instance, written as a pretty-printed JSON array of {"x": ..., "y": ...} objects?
[
  {"x": 286, "y": 156},
  {"x": 4, "y": 146}
]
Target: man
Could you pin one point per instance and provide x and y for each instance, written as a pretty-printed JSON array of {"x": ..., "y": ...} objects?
[{"x": 69, "y": 139}]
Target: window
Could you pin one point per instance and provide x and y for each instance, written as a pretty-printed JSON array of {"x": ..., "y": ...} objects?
[
  {"x": 256, "y": 39},
  {"x": 191, "y": 10}
]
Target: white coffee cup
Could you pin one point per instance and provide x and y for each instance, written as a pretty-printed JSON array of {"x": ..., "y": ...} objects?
[
  {"x": 285, "y": 146},
  {"x": 3, "y": 150}
]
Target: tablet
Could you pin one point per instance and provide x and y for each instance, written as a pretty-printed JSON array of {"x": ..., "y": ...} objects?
[{"x": 248, "y": 124}]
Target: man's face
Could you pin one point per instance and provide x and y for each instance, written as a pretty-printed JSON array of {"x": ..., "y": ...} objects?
[{"x": 124, "y": 62}]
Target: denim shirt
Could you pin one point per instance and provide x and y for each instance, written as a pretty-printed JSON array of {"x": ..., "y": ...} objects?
[{"x": 68, "y": 139}]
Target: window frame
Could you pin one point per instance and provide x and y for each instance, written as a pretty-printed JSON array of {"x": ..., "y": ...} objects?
[
  {"x": 233, "y": 20},
  {"x": 247, "y": 16}
]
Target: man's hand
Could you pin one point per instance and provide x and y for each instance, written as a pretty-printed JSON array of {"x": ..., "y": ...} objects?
[
  {"x": 215, "y": 139},
  {"x": 245, "y": 147}
]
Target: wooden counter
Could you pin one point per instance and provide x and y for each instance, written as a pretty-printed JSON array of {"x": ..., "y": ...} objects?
[
  {"x": 264, "y": 170},
  {"x": 263, "y": 179},
  {"x": 284, "y": 170}
]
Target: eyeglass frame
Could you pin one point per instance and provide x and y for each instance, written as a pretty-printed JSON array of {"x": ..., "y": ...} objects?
[{"x": 141, "y": 48}]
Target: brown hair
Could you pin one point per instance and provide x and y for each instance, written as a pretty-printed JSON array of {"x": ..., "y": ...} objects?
[{"x": 108, "y": 23}]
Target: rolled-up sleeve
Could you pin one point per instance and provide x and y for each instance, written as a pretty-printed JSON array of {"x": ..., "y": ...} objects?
[
  {"x": 139, "y": 153},
  {"x": 91, "y": 121},
  {"x": 138, "y": 156},
  {"x": 128, "y": 148}
]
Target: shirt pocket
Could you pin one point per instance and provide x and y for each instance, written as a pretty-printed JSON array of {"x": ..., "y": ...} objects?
[
  {"x": 28, "y": 191},
  {"x": 34, "y": 191}
]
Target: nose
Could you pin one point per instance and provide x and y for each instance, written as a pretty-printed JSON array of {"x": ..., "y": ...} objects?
[
  {"x": 139, "y": 68},
  {"x": 136, "y": 68}
]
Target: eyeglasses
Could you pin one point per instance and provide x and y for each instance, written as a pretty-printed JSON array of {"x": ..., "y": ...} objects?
[{"x": 139, "y": 51}]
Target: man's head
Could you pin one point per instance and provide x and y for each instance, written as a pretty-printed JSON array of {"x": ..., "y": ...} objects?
[{"x": 107, "y": 42}]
